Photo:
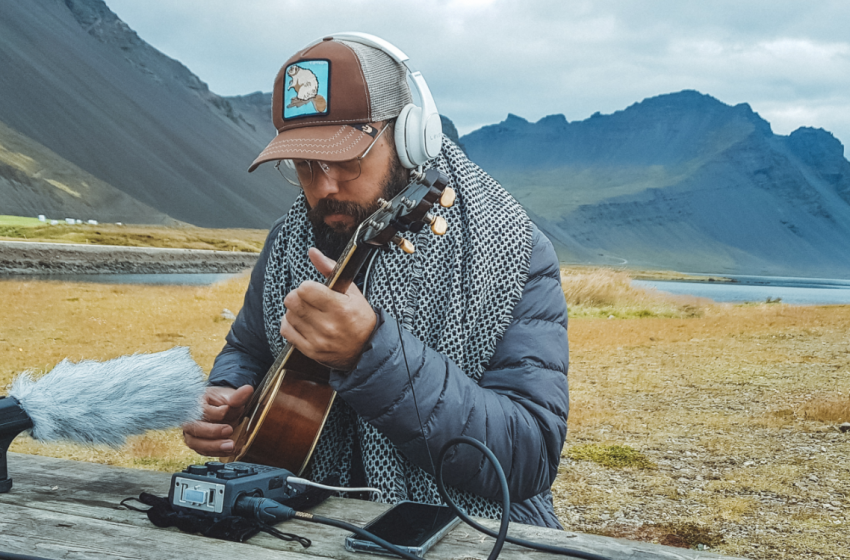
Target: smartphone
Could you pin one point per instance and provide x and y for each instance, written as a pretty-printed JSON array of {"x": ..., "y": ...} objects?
[{"x": 408, "y": 525}]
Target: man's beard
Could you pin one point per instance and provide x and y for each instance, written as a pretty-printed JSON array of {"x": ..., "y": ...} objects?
[{"x": 332, "y": 241}]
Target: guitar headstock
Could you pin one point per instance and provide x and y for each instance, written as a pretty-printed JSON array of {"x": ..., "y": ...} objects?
[{"x": 410, "y": 210}]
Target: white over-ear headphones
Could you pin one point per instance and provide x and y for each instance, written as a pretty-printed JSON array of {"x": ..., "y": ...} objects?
[{"x": 418, "y": 130}]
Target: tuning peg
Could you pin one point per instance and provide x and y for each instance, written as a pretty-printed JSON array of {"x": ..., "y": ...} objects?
[
  {"x": 438, "y": 223},
  {"x": 404, "y": 244},
  {"x": 448, "y": 197}
]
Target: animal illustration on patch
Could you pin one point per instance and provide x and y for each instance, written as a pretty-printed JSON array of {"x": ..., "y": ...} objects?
[{"x": 306, "y": 86}]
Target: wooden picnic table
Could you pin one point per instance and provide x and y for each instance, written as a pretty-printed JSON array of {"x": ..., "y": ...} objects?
[{"x": 70, "y": 510}]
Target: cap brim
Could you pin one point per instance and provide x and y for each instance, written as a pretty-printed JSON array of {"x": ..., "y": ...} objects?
[{"x": 326, "y": 143}]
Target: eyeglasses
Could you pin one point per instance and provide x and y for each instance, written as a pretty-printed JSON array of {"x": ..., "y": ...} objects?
[{"x": 300, "y": 172}]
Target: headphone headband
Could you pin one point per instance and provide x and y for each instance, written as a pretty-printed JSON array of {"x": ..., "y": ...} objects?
[
  {"x": 418, "y": 134},
  {"x": 369, "y": 41}
]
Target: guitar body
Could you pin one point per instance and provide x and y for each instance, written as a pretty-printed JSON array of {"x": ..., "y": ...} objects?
[
  {"x": 282, "y": 422},
  {"x": 287, "y": 435}
]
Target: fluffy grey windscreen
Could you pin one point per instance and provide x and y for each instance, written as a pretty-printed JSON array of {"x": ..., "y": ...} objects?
[{"x": 105, "y": 402}]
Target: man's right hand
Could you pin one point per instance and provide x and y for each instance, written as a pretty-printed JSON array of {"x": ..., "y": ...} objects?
[{"x": 222, "y": 407}]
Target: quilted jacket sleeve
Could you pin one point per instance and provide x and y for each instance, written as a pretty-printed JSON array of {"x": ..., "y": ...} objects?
[
  {"x": 246, "y": 356},
  {"x": 518, "y": 409}
]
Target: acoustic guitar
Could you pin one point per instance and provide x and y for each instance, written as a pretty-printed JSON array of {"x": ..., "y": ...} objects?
[{"x": 282, "y": 421}]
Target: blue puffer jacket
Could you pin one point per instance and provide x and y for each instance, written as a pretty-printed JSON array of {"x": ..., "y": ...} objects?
[{"x": 519, "y": 408}]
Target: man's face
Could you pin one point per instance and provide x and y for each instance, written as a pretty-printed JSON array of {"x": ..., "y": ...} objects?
[{"x": 336, "y": 208}]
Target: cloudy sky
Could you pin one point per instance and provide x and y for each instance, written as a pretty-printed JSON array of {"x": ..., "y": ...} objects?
[{"x": 790, "y": 60}]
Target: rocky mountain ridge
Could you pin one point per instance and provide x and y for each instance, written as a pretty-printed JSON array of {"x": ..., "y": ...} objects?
[
  {"x": 682, "y": 181},
  {"x": 94, "y": 120},
  {"x": 80, "y": 83}
]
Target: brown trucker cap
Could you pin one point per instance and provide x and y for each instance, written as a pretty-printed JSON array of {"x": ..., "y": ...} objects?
[{"x": 325, "y": 97}]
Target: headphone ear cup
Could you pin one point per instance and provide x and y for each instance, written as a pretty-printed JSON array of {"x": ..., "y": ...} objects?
[
  {"x": 432, "y": 136},
  {"x": 416, "y": 141},
  {"x": 414, "y": 137},
  {"x": 400, "y": 135}
]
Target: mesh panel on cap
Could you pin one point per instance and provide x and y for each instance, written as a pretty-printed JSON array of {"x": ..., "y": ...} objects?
[{"x": 386, "y": 80}]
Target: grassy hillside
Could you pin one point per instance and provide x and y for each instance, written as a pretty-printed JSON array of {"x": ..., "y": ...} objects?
[
  {"x": 14, "y": 228},
  {"x": 19, "y": 222},
  {"x": 101, "y": 98},
  {"x": 35, "y": 180},
  {"x": 554, "y": 193}
]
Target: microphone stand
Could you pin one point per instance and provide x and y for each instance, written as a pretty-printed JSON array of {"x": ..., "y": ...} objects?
[{"x": 13, "y": 421}]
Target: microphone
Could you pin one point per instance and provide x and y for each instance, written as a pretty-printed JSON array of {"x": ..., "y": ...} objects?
[{"x": 93, "y": 402}]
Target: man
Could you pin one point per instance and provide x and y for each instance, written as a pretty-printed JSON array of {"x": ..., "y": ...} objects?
[{"x": 467, "y": 335}]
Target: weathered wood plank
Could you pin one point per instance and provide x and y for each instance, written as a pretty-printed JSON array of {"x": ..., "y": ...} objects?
[
  {"x": 80, "y": 488},
  {"x": 90, "y": 491},
  {"x": 63, "y": 536}
]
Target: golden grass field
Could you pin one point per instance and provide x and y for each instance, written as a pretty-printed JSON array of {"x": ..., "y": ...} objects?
[
  {"x": 16, "y": 228},
  {"x": 692, "y": 423}
]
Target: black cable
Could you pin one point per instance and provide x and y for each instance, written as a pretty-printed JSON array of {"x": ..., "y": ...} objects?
[
  {"x": 506, "y": 505},
  {"x": 270, "y": 512},
  {"x": 361, "y": 532},
  {"x": 398, "y": 321},
  {"x": 304, "y": 541},
  {"x": 501, "y": 537}
]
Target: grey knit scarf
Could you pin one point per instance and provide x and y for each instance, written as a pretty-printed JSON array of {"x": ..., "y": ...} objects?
[{"x": 455, "y": 293}]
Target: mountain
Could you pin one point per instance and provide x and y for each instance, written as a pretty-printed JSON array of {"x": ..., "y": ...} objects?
[
  {"x": 256, "y": 110},
  {"x": 96, "y": 123},
  {"x": 77, "y": 83},
  {"x": 680, "y": 181},
  {"x": 34, "y": 180}
]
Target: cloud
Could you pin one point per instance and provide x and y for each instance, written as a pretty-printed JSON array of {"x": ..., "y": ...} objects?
[{"x": 485, "y": 58}]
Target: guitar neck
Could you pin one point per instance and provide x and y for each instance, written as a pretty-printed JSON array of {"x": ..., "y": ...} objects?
[
  {"x": 349, "y": 264},
  {"x": 347, "y": 267},
  {"x": 295, "y": 397}
]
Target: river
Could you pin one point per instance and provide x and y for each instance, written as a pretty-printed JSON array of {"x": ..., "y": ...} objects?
[{"x": 797, "y": 291}]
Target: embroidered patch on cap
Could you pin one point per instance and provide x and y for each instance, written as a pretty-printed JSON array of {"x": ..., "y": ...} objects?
[{"x": 305, "y": 90}]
